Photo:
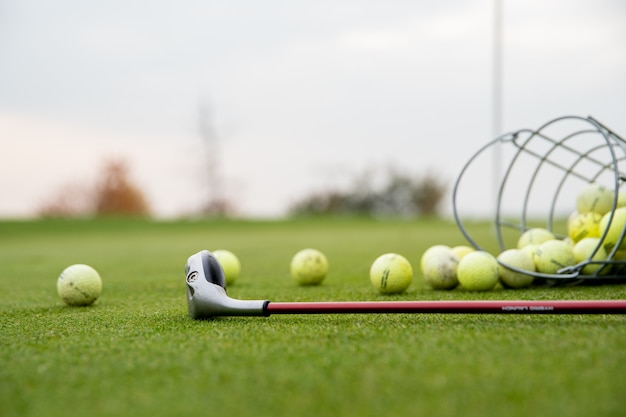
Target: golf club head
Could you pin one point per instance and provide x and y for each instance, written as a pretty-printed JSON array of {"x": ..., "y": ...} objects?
[{"x": 206, "y": 291}]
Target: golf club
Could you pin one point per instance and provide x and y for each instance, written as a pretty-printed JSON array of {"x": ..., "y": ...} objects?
[{"x": 206, "y": 298}]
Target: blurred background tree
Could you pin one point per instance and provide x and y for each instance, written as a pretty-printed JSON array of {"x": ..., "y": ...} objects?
[
  {"x": 114, "y": 194},
  {"x": 400, "y": 195}
]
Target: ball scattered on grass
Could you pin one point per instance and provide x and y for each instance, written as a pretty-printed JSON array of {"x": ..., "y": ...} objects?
[
  {"x": 461, "y": 250},
  {"x": 478, "y": 271},
  {"x": 309, "y": 267},
  {"x": 439, "y": 270},
  {"x": 431, "y": 251},
  {"x": 553, "y": 255},
  {"x": 230, "y": 264},
  {"x": 520, "y": 259},
  {"x": 391, "y": 274},
  {"x": 79, "y": 285}
]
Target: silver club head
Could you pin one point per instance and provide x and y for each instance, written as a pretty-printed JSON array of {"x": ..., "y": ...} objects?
[{"x": 206, "y": 291}]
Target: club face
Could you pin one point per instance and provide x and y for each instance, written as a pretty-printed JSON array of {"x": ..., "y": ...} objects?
[
  {"x": 204, "y": 266},
  {"x": 205, "y": 278}
]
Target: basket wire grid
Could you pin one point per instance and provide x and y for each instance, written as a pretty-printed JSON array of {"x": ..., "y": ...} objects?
[{"x": 544, "y": 169}]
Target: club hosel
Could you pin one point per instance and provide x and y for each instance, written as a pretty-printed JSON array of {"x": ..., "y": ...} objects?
[{"x": 207, "y": 300}]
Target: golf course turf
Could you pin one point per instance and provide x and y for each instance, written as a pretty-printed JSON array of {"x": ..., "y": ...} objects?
[{"x": 136, "y": 352}]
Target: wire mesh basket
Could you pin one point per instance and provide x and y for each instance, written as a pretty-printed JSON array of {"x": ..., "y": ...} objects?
[{"x": 536, "y": 176}]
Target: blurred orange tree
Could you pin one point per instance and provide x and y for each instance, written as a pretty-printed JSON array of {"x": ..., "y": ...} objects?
[{"x": 114, "y": 194}]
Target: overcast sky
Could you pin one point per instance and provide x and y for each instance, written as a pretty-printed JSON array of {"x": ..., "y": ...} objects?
[{"x": 303, "y": 95}]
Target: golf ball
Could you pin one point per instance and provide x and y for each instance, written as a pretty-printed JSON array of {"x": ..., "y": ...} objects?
[
  {"x": 478, "y": 271},
  {"x": 309, "y": 267},
  {"x": 391, "y": 273},
  {"x": 230, "y": 264},
  {"x": 79, "y": 285}
]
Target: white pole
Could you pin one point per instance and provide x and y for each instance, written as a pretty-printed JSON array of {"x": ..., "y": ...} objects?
[{"x": 497, "y": 96}]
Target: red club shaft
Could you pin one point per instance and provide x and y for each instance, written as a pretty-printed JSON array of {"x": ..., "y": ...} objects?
[{"x": 475, "y": 307}]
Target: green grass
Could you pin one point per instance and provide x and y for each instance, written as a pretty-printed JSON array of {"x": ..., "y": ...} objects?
[{"x": 137, "y": 353}]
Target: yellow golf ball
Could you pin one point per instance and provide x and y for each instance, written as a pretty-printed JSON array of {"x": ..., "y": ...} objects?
[
  {"x": 79, "y": 285},
  {"x": 230, "y": 264},
  {"x": 391, "y": 273},
  {"x": 478, "y": 271},
  {"x": 309, "y": 267}
]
